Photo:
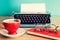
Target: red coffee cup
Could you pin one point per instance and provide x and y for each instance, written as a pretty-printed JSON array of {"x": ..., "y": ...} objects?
[{"x": 11, "y": 25}]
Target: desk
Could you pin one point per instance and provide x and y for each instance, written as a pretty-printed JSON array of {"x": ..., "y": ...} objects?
[{"x": 55, "y": 20}]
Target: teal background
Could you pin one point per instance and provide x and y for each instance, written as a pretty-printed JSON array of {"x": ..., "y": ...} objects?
[{"x": 7, "y": 6}]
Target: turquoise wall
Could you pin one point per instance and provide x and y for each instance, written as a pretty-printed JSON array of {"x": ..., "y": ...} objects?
[
  {"x": 4, "y": 7},
  {"x": 7, "y": 6}
]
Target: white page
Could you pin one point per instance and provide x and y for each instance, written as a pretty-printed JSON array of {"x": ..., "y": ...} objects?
[{"x": 33, "y": 8}]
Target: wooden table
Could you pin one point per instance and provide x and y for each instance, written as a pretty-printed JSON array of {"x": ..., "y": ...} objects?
[{"x": 55, "y": 20}]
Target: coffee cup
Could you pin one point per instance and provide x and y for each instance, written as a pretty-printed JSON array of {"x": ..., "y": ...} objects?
[{"x": 11, "y": 25}]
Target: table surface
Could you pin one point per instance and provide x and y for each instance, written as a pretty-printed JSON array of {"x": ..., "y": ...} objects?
[{"x": 55, "y": 20}]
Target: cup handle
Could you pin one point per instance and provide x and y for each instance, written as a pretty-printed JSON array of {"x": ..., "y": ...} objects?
[{"x": 2, "y": 26}]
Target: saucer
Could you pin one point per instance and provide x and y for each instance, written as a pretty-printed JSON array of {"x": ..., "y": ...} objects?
[{"x": 20, "y": 32}]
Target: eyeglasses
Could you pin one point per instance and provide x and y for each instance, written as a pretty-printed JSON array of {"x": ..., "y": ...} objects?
[{"x": 47, "y": 28}]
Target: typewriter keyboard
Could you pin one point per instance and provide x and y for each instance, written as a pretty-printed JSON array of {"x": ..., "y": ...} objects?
[{"x": 33, "y": 18}]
